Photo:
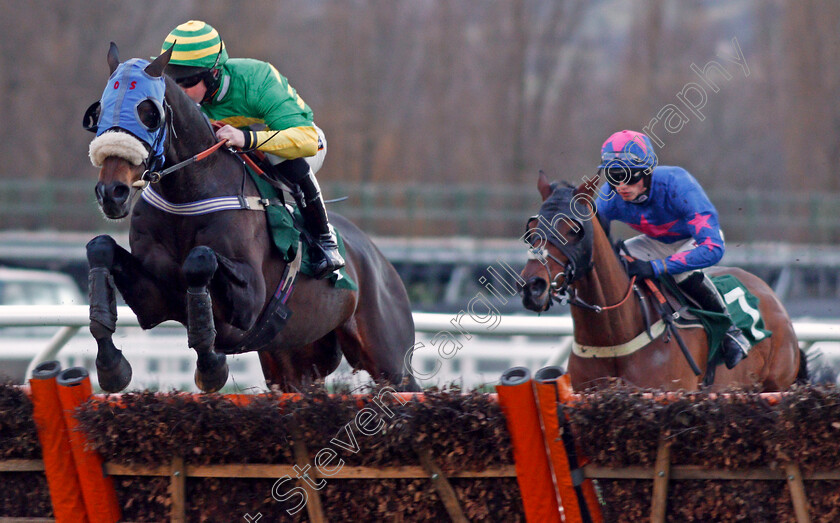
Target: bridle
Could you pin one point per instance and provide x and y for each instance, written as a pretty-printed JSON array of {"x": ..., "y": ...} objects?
[
  {"x": 562, "y": 293},
  {"x": 156, "y": 137},
  {"x": 578, "y": 254}
]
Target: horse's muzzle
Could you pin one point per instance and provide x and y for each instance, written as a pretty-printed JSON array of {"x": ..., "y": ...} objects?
[
  {"x": 113, "y": 199},
  {"x": 535, "y": 294}
]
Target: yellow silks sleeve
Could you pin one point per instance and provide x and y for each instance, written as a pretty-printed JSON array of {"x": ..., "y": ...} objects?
[{"x": 294, "y": 142}]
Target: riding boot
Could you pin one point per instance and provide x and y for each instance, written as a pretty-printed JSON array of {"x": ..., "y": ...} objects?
[
  {"x": 327, "y": 259},
  {"x": 699, "y": 287}
]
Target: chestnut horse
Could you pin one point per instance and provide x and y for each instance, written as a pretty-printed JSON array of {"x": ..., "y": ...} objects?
[
  {"x": 585, "y": 263},
  {"x": 216, "y": 272}
]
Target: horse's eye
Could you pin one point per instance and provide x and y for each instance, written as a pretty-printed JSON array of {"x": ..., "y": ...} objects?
[{"x": 149, "y": 115}]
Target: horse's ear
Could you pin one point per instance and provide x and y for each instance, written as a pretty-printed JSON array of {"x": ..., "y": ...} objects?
[
  {"x": 156, "y": 68},
  {"x": 113, "y": 57},
  {"x": 589, "y": 187},
  {"x": 544, "y": 186}
]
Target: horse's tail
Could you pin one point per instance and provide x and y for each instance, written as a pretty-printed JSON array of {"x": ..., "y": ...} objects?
[{"x": 802, "y": 372}]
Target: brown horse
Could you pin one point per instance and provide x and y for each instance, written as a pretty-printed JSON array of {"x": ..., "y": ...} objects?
[
  {"x": 587, "y": 264},
  {"x": 217, "y": 272}
]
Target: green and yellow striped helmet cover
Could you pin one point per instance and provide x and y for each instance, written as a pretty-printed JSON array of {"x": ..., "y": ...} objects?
[{"x": 197, "y": 44}]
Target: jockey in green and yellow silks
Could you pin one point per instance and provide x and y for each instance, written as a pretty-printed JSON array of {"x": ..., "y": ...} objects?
[{"x": 241, "y": 92}]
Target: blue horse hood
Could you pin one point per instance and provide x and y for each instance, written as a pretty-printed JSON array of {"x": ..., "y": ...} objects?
[{"x": 127, "y": 87}]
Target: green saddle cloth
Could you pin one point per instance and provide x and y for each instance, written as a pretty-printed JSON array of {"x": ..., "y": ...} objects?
[
  {"x": 742, "y": 306},
  {"x": 286, "y": 237}
]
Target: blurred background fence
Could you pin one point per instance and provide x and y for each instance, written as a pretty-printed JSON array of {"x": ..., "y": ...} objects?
[{"x": 424, "y": 210}]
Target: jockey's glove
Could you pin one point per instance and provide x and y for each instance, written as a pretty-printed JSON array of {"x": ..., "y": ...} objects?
[{"x": 641, "y": 269}]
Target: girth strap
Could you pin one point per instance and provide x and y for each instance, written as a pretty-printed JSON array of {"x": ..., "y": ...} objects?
[
  {"x": 623, "y": 349},
  {"x": 275, "y": 315},
  {"x": 210, "y": 205}
]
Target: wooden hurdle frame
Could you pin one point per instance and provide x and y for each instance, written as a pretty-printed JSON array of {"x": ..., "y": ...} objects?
[
  {"x": 178, "y": 472},
  {"x": 664, "y": 471},
  {"x": 85, "y": 467},
  {"x": 554, "y": 478}
]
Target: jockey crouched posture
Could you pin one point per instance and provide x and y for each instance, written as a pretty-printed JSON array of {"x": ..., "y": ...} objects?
[
  {"x": 679, "y": 225},
  {"x": 239, "y": 92}
]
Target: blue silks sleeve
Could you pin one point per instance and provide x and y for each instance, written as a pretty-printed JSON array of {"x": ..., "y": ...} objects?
[{"x": 697, "y": 214}]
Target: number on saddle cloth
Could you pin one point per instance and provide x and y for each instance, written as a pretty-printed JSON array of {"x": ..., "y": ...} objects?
[{"x": 742, "y": 306}]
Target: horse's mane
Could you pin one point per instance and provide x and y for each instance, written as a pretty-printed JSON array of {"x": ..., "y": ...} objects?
[{"x": 186, "y": 110}]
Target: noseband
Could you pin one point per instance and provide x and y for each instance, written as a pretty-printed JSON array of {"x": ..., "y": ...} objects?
[{"x": 540, "y": 254}]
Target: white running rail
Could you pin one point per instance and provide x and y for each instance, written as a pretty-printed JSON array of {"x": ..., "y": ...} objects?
[{"x": 71, "y": 319}]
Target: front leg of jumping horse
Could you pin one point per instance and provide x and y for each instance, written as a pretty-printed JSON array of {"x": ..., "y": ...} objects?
[
  {"x": 211, "y": 371},
  {"x": 112, "y": 369}
]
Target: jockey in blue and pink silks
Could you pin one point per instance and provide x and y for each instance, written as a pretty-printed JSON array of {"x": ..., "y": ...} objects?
[{"x": 680, "y": 236}]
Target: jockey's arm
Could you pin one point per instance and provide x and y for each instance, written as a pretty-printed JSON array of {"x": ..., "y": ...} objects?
[
  {"x": 294, "y": 142},
  {"x": 708, "y": 252},
  {"x": 701, "y": 217},
  {"x": 290, "y": 132},
  {"x": 262, "y": 96}
]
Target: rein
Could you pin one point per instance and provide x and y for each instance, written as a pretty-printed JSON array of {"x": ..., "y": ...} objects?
[
  {"x": 155, "y": 176},
  {"x": 668, "y": 319},
  {"x": 563, "y": 294},
  {"x": 575, "y": 300}
]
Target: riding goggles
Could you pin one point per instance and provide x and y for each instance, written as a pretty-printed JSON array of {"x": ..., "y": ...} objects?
[
  {"x": 191, "y": 81},
  {"x": 616, "y": 176}
]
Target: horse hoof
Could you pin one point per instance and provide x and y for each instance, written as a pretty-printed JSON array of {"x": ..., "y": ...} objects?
[
  {"x": 212, "y": 380},
  {"x": 114, "y": 378}
]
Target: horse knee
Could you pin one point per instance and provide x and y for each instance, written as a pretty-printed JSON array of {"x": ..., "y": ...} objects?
[
  {"x": 200, "y": 266},
  {"x": 100, "y": 251}
]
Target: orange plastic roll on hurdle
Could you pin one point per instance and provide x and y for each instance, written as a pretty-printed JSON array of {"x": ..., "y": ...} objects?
[
  {"x": 566, "y": 460},
  {"x": 516, "y": 398},
  {"x": 59, "y": 467},
  {"x": 97, "y": 488}
]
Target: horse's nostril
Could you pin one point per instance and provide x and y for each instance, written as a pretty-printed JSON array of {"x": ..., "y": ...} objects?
[
  {"x": 536, "y": 286},
  {"x": 120, "y": 192}
]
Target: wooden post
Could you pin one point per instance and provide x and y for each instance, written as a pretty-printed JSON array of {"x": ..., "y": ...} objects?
[
  {"x": 178, "y": 491},
  {"x": 797, "y": 492},
  {"x": 442, "y": 486},
  {"x": 314, "y": 507},
  {"x": 661, "y": 475}
]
